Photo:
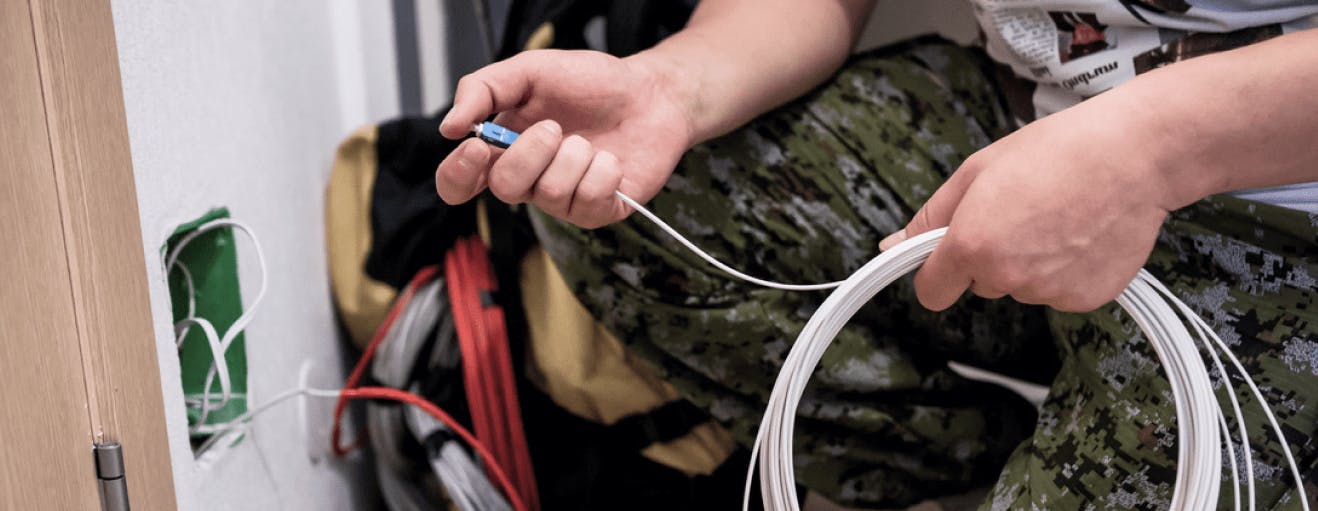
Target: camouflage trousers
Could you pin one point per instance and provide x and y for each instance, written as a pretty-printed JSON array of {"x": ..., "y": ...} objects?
[{"x": 805, "y": 193}]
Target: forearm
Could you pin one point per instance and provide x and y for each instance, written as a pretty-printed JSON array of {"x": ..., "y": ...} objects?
[
  {"x": 739, "y": 58},
  {"x": 1246, "y": 118}
]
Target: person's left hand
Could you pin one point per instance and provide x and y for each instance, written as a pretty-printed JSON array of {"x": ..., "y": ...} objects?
[{"x": 1063, "y": 212}]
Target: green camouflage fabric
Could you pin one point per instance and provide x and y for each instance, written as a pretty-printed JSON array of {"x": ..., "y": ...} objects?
[
  {"x": 805, "y": 193},
  {"x": 1106, "y": 437}
]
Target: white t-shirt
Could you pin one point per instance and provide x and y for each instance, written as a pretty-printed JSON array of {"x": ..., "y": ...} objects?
[{"x": 1067, "y": 51}]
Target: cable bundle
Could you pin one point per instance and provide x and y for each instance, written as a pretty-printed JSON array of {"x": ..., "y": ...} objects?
[
  {"x": 395, "y": 341},
  {"x": 352, "y": 391},
  {"x": 425, "y": 322},
  {"x": 487, "y": 369},
  {"x": 1201, "y": 421}
]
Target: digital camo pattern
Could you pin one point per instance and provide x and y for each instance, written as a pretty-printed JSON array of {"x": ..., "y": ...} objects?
[
  {"x": 805, "y": 193},
  {"x": 1106, "y": 437}
]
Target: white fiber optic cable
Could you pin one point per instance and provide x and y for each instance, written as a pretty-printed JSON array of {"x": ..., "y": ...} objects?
[
  {"x": 217, "y": 351},
  {"x": 719, "y": 264},
  {"x": 1200, "y": 419},
  {"x": 1202, "y": 327},
  {"x": 242, "y": 420},
  {"x": 1246, "y": 451},
  {"x": 180, "y": 335},
  {"x": 1199, "y": 459},
  {"x": 238, "y": 325}
]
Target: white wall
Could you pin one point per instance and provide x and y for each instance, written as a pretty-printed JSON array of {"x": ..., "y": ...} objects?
[{"x": 241, "y": 104}]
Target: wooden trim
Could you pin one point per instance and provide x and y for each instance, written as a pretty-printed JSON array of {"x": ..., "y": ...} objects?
[
  {"x": 93, "y": 174},
  {"x": 44, "y": 434}
]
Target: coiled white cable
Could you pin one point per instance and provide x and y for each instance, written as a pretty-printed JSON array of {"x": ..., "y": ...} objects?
[
  {"x": 219, "y": 344},
  {"x": 1201, "y": 421}
]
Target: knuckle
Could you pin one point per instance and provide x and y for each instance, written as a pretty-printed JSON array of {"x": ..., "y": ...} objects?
[
  {"x": 986, "y": 291},
  {"x": 963, "y": 251},
  {"x": 444, "y": 191},
  {"x": 1086, "y": 302},
  {"x": 552, "y": 191},
  {"x": 590, "y": 222},
  {"x": 922, "y": 218},
  {"x": 930, "y": 300},
  {"x": 503, "y": 186},
  {"x": 1069, "y": 305},
  {"x": 976, "y": 247},
  {"x": 591, "y": 193},
  {"x": 468, "y": 82},
  {"x": 1008, "y": 278},
  {"x": 973, "y": 164},
  {"x": 545, "y": 137},
  {"x": 450, "y": 190},
  {"x": 575, "y": 145},
  {"x": 1026, "y": 298}
]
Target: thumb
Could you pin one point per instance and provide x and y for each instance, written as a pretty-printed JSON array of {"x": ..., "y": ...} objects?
[
  {"x": 936, "y": 212},
  {"x": 489, "y": 90}
]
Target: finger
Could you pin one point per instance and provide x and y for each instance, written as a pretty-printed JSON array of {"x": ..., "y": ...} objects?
[
  {"x": 941, "y": 280},
  {"x": 1029, "y": 298},
  {"x": 983, "y": 291},
  {"x": 463, "y": 172},
  {"x": 554, "y": 190},
  {"x": 937, "y": 211},
  {"x": 594, "y": 204},
  {"x": 512, "y": 176},
  {"x": 1079, "y": 299},
  {"x": 491, "y": 89},
  {"x": 512, "y": 120}
]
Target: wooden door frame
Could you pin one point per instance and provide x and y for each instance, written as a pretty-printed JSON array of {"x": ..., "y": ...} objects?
[{"x": 75, "y": 305}]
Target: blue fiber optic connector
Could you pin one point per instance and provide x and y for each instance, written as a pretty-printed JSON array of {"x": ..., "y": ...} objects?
[{"x": 494, "y": 134}]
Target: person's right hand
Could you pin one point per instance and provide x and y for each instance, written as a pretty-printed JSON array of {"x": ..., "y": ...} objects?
[{"x": 590, "y": 123}]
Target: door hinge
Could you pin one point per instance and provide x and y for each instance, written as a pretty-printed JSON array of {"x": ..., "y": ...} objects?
[{"x": 110, "y": 476}]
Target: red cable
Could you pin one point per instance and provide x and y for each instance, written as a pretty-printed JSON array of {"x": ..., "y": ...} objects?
[
  {"x": 425, "y": 275},
  {"x": 488, "y": 375},
  {"x": 438, "y": 413},
  {"x": 350, "y": 391}
]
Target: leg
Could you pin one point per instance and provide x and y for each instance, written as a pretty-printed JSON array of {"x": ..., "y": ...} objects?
[
  {"x": 804, "y": 194},
  {"x": 1106, "y": 438}
]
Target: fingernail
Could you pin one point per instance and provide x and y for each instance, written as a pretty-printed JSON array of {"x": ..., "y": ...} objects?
[
  {"x": 464, "y": 160},
  {"x": 445, "y": 120},
  {"x": 892, "y": 240}
]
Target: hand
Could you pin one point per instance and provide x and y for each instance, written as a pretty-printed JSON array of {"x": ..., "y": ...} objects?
[
  {"x": 591, "y": 124},
  {"x": 1064, "y": 212}
]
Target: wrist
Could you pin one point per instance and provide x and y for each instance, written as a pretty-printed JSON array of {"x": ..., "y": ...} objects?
[
  {"x": 1173, "y": 138},
  {"x": 671, "y": 83}
]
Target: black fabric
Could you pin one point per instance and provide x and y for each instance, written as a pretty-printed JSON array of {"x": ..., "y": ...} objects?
[
  {"x": 578, "y": 464},
  {"x": 410, "y": 226},
  {"x": 666, "y": 423},
  {"x": 630, "y": 25},
  {"x": 575, "y": 470}
]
